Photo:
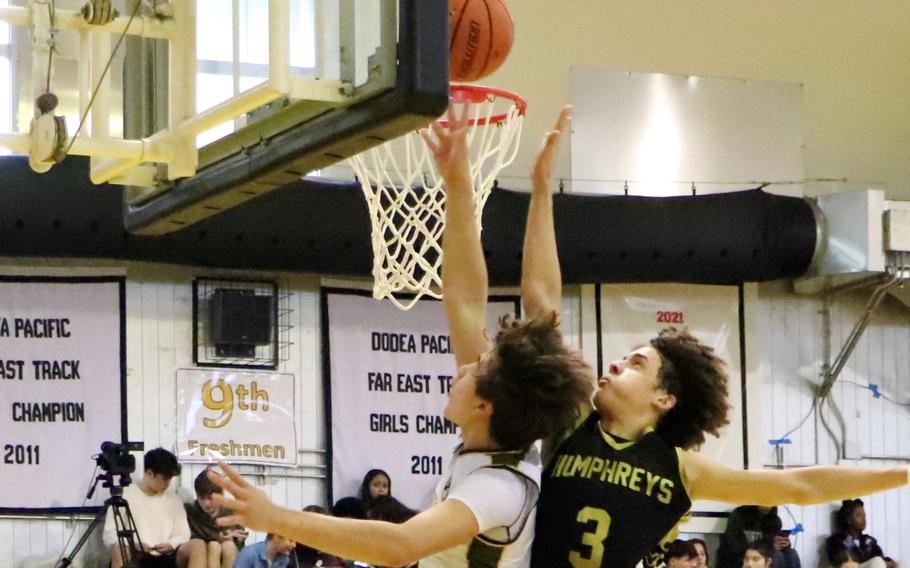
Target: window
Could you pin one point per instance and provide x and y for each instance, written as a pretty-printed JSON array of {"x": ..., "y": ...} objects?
[
  {"x": 6, "y": 80},
  {"x": 225, "y": 69}
]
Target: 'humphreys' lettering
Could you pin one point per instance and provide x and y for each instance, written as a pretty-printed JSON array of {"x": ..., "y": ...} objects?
[{"x": 616, "y": 472}]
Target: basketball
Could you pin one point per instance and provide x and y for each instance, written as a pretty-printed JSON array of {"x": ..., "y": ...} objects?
[{"x": 480, "y": 37}]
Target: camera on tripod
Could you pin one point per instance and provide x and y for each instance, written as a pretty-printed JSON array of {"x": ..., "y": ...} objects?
[{"x": 115, "y": 459}]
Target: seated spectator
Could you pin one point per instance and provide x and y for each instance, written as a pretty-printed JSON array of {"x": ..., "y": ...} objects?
[
  {"x": 680, "y": 554},
  {"x": 273, "y": 552},
  {"x": 845, "y": 558},
  {"x": 376, "y": 483},
  {"x": 744, "y": 525},
  {"x": 701, "y": 561},
  {"x": 310, "y": 557},
  {"x": 851, "y": 522},
  {"x": 759, "y": 554},
  {"x": 209, "y": 545},
  {"x": 159, "y": 514},
  {"x": 782, "y": 552}
]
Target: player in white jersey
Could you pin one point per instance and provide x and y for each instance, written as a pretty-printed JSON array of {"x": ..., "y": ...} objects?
[{"x": 525, "y": 386}]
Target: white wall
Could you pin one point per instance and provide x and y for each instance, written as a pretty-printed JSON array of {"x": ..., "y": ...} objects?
[
  {"x": 792, "y": 352},
  {"x": 849, "y": 56}
]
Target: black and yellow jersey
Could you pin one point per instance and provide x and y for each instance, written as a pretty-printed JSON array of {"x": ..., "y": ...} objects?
[{"x": 606, "y": 502}]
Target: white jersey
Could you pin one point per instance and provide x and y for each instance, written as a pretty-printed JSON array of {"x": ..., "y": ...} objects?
[{"x": 500, "y": 489}]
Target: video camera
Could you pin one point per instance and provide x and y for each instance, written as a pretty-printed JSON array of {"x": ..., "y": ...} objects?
[{"x": 115, "y": 459}]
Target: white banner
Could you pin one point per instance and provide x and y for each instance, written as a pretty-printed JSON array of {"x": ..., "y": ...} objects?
[
  {"x": 61, "y": 346},
  {"x": 633, "y": 314},
  {"x": 390, "y": 373},
  {"x": 236, "y": 416}
]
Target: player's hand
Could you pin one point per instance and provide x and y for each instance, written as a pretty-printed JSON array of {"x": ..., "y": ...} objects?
[
  {"x": 449, "y": 145},
  {"x": 543, "y": 166},
  {"x": 250, "y": 507}
]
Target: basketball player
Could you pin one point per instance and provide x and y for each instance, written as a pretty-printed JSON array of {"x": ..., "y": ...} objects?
[
  {"x": 525, "y": 386},
  {"x": 621, "y": 480}
]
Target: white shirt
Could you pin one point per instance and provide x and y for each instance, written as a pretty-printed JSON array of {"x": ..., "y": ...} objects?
[
  {"x": 159, "y": 519},
  {"x": 498, "y": 497}
]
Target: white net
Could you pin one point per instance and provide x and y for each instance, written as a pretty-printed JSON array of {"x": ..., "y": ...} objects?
[{"x": 405, "y": 194}]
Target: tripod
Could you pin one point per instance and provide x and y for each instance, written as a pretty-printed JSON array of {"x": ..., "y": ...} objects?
[{"x": 127, "y": 535}]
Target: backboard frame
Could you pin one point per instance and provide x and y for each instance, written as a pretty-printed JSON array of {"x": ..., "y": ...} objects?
[{"x": 420, "y": 94}]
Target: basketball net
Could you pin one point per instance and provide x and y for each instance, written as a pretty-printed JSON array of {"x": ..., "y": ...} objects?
[{"x": 406, "y": 198}]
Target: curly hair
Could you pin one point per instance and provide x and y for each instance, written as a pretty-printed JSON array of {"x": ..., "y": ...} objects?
[
  {"x": 536, "y": 384},
  {"x": 691, "y": 372}
]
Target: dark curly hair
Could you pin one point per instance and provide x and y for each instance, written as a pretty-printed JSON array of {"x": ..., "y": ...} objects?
[
  {"x": 536, "y": 384},
  {"x": 691, "y": 372}
]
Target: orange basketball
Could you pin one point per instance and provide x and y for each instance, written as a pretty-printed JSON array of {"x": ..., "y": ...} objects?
[{"x": 480, "y": 37}]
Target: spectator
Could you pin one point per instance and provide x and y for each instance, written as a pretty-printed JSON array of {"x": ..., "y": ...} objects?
[
  {"x": 759, "y": 554},
  {"x": 745, "y": 525},
  {"x": 209, "y": 545},
  {"x": 310, "y": 557},
  {"x": 850, "y": 522},
  {"x": 159, "y": 515},
  {"x": 701, "y": 561},
  {"x": 375, "y": 484},
  {"x": 273, "y": 552},
  {"x": 680, "y": 554},
  {"x": 782, "y": 552},
  {"x": 845, "y": 558}
]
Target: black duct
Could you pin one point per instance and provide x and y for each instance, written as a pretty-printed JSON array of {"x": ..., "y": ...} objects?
[{"x": 322, "y": 227}]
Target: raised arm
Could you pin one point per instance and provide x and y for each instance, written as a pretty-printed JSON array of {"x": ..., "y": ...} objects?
[
  {"x": 464, "y": 271},
  {"x": 441, "y": 527},
  {"x": 803, "y": 486},
  {"x": 541, "y": 280}
]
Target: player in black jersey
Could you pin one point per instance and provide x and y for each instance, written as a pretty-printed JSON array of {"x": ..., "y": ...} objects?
[{"x": 620, "y": 482}]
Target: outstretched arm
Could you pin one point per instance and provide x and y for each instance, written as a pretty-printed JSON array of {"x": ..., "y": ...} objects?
[
  {"x": 441, "y": 527},
  {"x": 541, "y": 280},
  {"x": 803, "y": 486},
  {"x": 464, "y": 275}
]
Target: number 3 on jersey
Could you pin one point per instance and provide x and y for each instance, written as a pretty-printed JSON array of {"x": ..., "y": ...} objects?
[{"x": 592, "y": 539}]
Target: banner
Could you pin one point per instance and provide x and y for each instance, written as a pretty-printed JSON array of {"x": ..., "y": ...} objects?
[
  {"x": 390, "y": 374},
  {"x": 634, "y": 313},
  {"x": 61, "y": 375},
  {"x": 236, "y": 416}
]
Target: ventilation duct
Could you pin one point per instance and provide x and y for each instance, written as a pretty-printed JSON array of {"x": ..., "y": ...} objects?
[{"x": 863, "y": 238}]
